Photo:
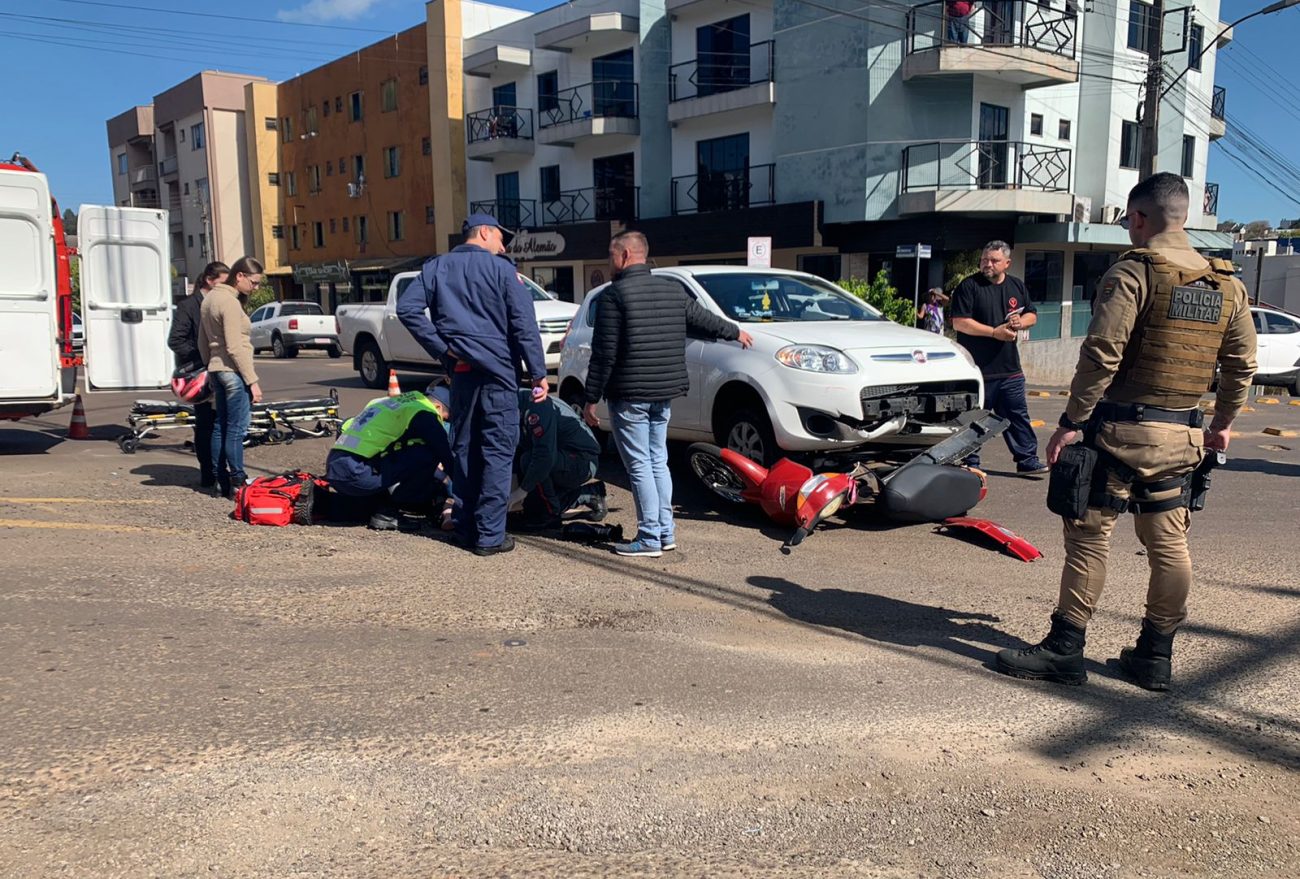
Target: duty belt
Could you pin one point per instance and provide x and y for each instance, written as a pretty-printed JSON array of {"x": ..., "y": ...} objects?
[{"x": 1140, "y": 412}]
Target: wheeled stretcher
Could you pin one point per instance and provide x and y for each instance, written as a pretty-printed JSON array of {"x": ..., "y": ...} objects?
[{"x": 270, "y": 423}]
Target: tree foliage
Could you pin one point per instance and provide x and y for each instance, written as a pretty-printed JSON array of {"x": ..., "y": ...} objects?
[
  {"x": 263, "y": 295},
  {"x": 959, "y": 267},
  {"x": 74, "y": 269},
  {"x": 69, "y": 222},
  {"x": 1255, "y": 229},
  {"x": 882, "y": 296}
]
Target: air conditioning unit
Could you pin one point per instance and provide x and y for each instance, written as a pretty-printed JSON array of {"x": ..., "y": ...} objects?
[
  {"x": 1111, "y": 213},
  {"x": 1082, "y": 209},
  {"x": 354, "y": 190}
]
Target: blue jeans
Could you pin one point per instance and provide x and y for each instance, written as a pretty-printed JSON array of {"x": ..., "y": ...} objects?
[
  {"x": 958, "y": 28},
  {"x": 641, "y": 435},
  {"x": 484, "y": 435},
  {"x": 1006, "y": 397},
  {"x": 234, "y": 403}
]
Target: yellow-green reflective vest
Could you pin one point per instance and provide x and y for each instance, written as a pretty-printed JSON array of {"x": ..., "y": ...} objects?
[{"x": 382, "y": 423}]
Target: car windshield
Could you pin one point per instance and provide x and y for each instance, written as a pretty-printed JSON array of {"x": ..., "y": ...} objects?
[
  {"x": 539, "y": 295},
  {"x": 750, "y": 297},
  {"x": 289, "y": 309}
]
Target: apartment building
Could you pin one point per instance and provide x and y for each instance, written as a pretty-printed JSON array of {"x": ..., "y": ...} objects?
[
  {"x": 368, "y": 177},
  {"x": 840, "y": 136},
  {"x": 582, "y": 121},
  {"x": 194, "y": 138},
  {"x": 131, "y": 156}
]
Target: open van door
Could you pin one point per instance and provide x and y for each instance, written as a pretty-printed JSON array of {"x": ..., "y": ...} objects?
[
  {"x": 126, "y": 297},
  {"x": 29, "y": 347}
]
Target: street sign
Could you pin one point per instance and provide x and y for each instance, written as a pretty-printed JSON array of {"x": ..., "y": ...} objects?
[
  {"x": 909, "y": 251},
  {"x": 760, "y": 253}
]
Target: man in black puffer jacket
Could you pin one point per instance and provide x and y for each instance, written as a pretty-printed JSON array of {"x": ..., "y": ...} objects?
[{"x": 638, "y": 363}]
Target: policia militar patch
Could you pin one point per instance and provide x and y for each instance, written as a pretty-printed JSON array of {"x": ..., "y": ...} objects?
[{"x": 1200, "y": 304}]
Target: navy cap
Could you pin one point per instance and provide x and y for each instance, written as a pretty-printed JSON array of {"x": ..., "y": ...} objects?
[
  {"x": 481, "y": 219},
  {"x": 440, "y": 392}
]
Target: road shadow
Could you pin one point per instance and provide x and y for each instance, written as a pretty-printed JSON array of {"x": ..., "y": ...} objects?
[
  {"x": 1269, "y": 468},
  {"x": 15, "y": 441},
  {"x": 888, "y": 620},
  {"x": 169, "y": 475}
]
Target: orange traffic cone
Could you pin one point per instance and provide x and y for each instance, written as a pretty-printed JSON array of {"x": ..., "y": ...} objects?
[
  {"x": 394, "y": 389},
  {"x": 78, "y": 429}
]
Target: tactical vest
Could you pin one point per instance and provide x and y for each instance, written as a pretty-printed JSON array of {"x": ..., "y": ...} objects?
[
  {"x": 1176, "y": 343},
  {"x": 381, "y": 424}
]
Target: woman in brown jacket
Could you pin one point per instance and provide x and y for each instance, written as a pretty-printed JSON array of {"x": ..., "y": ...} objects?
[{"x": 224, "y": 343}]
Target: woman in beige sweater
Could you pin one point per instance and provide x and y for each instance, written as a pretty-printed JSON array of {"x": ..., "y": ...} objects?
[{"x": 224, "y": 343}]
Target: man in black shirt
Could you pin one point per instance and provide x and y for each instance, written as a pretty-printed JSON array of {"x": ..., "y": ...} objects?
[{"x": 989, "y": 311}]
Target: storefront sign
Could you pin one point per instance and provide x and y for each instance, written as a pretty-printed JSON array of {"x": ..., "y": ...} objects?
[
  {"x": 760, "y": 253},
  {"x": 327, "y": 271},
  {"x": 535, "y": 245}
]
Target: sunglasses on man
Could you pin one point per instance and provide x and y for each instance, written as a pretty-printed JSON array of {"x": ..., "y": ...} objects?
[{"x": 1123, "y": 221}]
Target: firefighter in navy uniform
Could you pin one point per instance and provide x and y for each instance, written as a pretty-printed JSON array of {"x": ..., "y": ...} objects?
[
  {"x": 1163, "y": 318},
  {"x": 558, "y": 456},
  {"x": 480, "y": 325}
]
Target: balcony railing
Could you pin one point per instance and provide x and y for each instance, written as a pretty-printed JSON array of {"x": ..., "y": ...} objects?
[
  {"x": 985, "y": 164},
  {"x": 594, "y": 203},
  {"x": 1219, "y": 103},
  {"x": 1211, "y": 204},
  {"x": 747, "y": 187},
  {"x": 514, "y": 213},
  {"x": 713, "y": 73},
  {"x": 600, "y": 100},
  {"x": 1003, "y": 23},
  {"x": 498, "y": 122},
  {"x": 143, "y": 174},
  {"x": 167, "y": 166}
]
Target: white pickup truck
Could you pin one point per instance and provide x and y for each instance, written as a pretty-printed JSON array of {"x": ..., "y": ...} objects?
[
  {"x": 287, "y": 327},
  {"x": 378, "y": 342}
]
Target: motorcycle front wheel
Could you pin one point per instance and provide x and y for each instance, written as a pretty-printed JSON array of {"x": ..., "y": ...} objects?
[{"x": 707, "y": 464}]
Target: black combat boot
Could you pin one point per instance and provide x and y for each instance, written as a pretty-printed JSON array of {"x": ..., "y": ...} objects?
[
  {"x": 1149, "y": 662},
  {"x": 1057, "y": 658},
  {"x": 593, "y": 498}
]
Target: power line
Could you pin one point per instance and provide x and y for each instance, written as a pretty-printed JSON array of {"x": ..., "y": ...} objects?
[{"x": 155, "y": 9}]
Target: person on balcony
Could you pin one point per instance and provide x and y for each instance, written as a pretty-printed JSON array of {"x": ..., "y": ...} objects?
[{"x": 958, "y": 13}]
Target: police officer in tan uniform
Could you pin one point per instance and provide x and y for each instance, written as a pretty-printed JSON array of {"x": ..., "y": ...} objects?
[{"x": 1163, "y": 317}]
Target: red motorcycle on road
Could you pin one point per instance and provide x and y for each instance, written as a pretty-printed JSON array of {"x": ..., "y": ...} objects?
[{"x": 931, "y": 487}]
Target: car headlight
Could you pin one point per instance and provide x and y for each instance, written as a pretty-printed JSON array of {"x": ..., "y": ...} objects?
[{"x": 816, "y": 358}]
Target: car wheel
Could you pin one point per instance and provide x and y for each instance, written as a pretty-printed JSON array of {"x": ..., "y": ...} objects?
[
  {"x": 335, "y": 352},
  {"x": 372, "y": 367},
  {"x": 750, "y": 433},
  {"x": 1294, "y": 389},
  {"x": 277, "y": 346}
]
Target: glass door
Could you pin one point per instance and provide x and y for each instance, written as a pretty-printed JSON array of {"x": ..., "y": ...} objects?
[
  {"x": 992, "y": 146},
  {"x": 613, "y": 88},
  {"x": 614, "y": 182},
  {"x": 722, "y": 56},
  {"x": 722, "y": 181},
  {"x": 508, "y": 212}
]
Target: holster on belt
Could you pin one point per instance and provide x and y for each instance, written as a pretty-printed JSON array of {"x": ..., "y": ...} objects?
[{"x": 1069, "y": 487}]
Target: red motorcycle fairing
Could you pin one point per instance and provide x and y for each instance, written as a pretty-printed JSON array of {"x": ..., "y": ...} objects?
[
  {"x": 775, "y": 490},
  {"x": 1008, "y": 539}
]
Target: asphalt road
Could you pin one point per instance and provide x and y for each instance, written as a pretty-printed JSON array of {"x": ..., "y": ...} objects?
[{"x": 183, "y": 695}]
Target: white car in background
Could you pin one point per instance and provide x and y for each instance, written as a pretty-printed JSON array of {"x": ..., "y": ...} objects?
[
  {"x": 1278, "y": 354},
  {"x": 827, "y": 373},
  {"x": 378, "y": 341}
]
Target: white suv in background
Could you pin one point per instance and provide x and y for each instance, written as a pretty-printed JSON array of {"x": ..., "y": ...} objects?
[
  {"x": 1278, "y": 335},
  {"x": 827, "y": 373}
]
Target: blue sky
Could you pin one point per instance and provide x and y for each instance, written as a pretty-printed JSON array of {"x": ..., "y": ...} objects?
[{"x": 64, "y": 79}]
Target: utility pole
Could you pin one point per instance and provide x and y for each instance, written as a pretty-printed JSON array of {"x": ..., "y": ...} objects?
[{"x": 1149, "y": 130}]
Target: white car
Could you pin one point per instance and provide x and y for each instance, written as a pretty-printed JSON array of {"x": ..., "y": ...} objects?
[
  {"x": 1278, "y": 335},
  {"x": 826, "y": 374},
  {"x": 378, "y": 341}
]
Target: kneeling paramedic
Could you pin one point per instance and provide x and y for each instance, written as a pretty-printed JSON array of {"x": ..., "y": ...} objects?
[
  {"x": 558, "y": 456},
  {"x": 1162, "y": 320},
  {"x": 394, "y": 454}
]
